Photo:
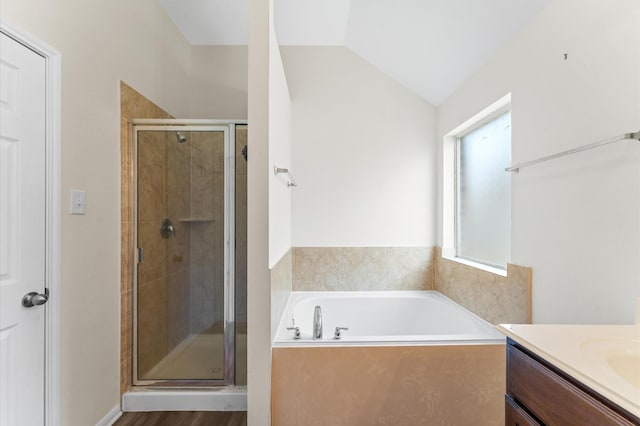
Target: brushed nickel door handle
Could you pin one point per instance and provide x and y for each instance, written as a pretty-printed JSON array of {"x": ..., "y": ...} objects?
[{"x": 35, "y": 299}]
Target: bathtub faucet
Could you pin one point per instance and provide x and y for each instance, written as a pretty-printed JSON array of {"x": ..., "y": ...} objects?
[
  {"x": 317, "y": 323},
  {"x": 338, "y": 333}
]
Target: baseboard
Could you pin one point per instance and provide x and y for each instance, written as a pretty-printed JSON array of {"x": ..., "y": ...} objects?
[
  {"x": 232, "y": 398},
  {"x": 111, "y": 417}
]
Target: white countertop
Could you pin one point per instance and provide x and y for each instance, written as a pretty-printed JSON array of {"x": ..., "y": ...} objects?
[{"x": 603, "y": 357}]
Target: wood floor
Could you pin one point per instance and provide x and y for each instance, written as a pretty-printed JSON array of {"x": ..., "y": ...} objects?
[{"x": 183, "y": 418}]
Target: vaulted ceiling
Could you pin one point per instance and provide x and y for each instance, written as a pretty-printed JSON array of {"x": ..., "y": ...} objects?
[{"x": 430, "y": 46}]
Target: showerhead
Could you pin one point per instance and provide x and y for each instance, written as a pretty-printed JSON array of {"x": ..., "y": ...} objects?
[{"x": 181, "y": 137}]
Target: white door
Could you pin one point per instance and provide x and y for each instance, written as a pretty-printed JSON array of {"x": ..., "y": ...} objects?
[{"x": 22, "y": 234}]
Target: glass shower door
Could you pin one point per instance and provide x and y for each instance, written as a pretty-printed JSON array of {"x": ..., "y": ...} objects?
[{"x": 184, "y": 285}]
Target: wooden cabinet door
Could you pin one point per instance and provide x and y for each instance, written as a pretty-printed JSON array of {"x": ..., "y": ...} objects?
[{"x": 514, "y": 415}]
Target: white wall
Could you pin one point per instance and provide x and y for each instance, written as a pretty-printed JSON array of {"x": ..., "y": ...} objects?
[
  {"x": 279, "y": 156},
  {"x": 364, "y": 153},
  {"x": 574, "y": 220},
  {"x": 101, "y": 43},
  {"x": 219, "y": 82}
]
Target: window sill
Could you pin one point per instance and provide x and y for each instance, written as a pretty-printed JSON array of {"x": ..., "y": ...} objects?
[{"x": 481, "y": 266}]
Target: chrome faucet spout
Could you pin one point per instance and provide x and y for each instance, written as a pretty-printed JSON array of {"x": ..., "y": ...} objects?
[{"x": 317, "y": 323}]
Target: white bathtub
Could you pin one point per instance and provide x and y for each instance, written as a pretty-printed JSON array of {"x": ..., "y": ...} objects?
[{"x": 383, "y": 318}]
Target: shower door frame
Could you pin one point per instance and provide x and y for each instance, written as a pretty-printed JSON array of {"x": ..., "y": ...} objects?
[{"x": 175, "y": 125}]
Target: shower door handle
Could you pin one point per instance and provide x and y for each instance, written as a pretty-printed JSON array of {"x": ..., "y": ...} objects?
[{"x": 35, "y": 299}]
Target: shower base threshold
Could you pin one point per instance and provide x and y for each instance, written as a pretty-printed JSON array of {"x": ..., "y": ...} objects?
[{"x": 227, "y": 398}]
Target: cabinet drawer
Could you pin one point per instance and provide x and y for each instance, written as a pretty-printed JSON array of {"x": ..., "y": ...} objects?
[
  {"x": 551, "y": 398},
  {"x": 514, "y": 415}
]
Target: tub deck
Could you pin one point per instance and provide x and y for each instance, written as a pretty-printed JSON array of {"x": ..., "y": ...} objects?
[{"x": 381, "y": 318}]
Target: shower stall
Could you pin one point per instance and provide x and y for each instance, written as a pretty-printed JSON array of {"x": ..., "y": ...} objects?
[{"x": 189, "y": 319}]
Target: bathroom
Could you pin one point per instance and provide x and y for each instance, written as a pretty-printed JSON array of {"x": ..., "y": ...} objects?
[{"x": 574, "y": 220}]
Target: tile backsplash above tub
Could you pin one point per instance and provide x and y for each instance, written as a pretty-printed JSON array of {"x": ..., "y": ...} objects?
[
  {"x": 495, "y": 298},
  {"x": 363, "y": 268}
]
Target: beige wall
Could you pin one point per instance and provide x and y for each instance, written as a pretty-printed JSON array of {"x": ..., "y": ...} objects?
[
  {"x": 268, "y": 199},
  {"x": 148, "y": 53},
  {"x": 219, "y": 82},
  {"x": 258, "y": 279},
  {"x": 101, "y": 43}
]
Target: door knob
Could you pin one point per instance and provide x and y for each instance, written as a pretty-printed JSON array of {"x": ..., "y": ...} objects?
[{"x": 35, "y": 299}]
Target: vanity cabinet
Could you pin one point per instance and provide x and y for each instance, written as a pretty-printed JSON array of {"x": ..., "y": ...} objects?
[
  {"x": 540, "y": 394},
  {"x": 515, "y": 415}
]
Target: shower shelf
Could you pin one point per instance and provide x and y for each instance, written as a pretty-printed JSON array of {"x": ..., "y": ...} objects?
[{"x": 196, "y": 219}]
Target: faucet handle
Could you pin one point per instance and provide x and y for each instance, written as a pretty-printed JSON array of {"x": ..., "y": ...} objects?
[
  {"x": 296, "y": 333},
  {"x": 337, "y": 334}
]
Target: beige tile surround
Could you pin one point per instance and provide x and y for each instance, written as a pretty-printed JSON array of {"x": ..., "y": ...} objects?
[
  {"x": 132, "y": 105},
  {"x": 362, "y": 268},
  {"x": 164, "y": 180},
  {"x": 408, "y": 385},
  {"x": 281, "y": 285},
  {"x": 185, "y": 257},
  {"x": 495, "y": 298}
]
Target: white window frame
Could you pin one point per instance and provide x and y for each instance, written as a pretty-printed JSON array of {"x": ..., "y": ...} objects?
[{"x": 449, "y": 181}]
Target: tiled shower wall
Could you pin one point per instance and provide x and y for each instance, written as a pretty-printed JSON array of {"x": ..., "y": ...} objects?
[
  {"x": 362, "y": 268},
  {"x": 206, "y": 220},
  {"x": 163, "y": 276},
  {"x": 177, "y": 256},
  {"x": 182, "y": 182},
  {"x": 241, "y": 231},
  {"x": 132, "y": 105},
  {"x": 206, "y": 226}
]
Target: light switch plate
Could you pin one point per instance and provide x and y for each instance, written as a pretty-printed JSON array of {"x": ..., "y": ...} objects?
[{"x": 78, "y": 201}]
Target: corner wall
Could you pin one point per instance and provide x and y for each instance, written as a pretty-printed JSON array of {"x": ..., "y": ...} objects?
[
  {"x": 574, "y": 219},
  {"x": 364, "y": 154},
  {"x": 258, "y": 213},
  {"x": 219, "y": 82},
  {"x": 280, "y": 193}
]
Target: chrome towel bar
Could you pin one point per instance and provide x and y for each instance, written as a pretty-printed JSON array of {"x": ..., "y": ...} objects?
[
  {"x": 625, "y": 136},
  {"x": 291, "y": 182}
]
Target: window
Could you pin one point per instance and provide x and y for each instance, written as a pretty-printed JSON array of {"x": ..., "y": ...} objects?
[
  {"x": 476, "y": 191},
  {"x": 483, "y": 193}
]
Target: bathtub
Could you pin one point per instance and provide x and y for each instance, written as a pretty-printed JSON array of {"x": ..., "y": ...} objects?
[
  {"x": 408, "y": 358},
  {"x": 376, "y": 318}
]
